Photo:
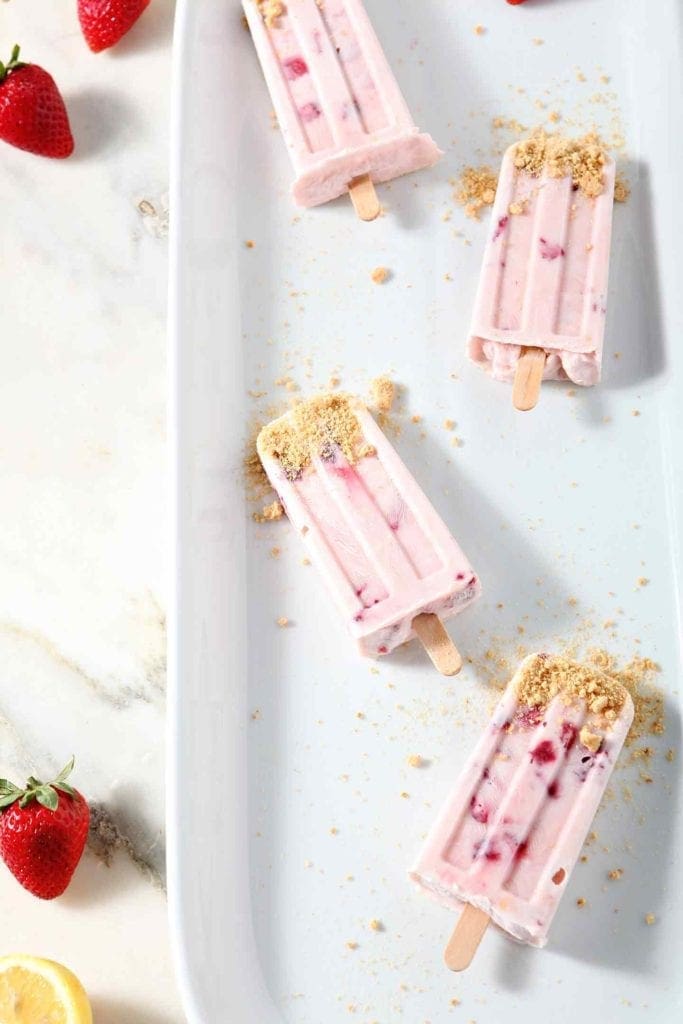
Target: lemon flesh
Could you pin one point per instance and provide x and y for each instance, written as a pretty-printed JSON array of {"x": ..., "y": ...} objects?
[{"x": 34, "y": 991}]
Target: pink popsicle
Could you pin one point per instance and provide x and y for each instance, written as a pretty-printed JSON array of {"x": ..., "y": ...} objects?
[
  {"x": 508, "y": 837},
  {"x": 544, "y": 278},
  {"x": 384, "y": 553},
  {"x": 340, "y": 108}
]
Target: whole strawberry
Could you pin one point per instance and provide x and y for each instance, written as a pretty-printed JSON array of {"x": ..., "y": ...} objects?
[
  {"x": 104, "y": 22},
  {"x": 32, "y": 112},
  {"x": 43, "y": 829}
]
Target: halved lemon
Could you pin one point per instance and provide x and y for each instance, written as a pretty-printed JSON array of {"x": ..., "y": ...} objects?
[{"x": 34, "y": 991}]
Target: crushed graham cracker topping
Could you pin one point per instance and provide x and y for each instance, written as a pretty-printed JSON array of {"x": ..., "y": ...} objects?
[
  {"x": 475, "y": 189},
  {"x": 543, "y": 677},
  {"x": 637, "y": 677},
  {"x": 270, "y": 11},
  {"x": 583, "y": 158},
  {"x": 311, "y": 428}
]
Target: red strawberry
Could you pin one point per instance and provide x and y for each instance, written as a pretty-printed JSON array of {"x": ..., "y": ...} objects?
[
  {"x": 515, "y": 2},
  {"x": 43, "y": 830},
  {"x": 32, "y": 112},
  {"x": 104, "y": 22}
]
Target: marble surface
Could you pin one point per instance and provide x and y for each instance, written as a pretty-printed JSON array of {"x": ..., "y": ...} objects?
[{"x": 82, "y": 497}]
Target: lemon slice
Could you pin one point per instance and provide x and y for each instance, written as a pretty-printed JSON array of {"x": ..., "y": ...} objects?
[{"x": 34, "y": 991}]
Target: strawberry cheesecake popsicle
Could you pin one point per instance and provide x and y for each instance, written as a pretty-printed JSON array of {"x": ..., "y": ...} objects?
[
  {"x": 342, "y": 114},
  {"x": 508, "y": 837},
  {"x": 542, "y": 299},
  {"x": 388, "y": 560}
]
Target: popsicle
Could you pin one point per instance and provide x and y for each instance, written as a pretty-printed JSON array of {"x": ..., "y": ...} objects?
[
  {"x": 342, "y": 114},
  {"x": 541, "y": 304},
  {"x": 389, "y": 561},
  {"x": 507, "y": 839}
]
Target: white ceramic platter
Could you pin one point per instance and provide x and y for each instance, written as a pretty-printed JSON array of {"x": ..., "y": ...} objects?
[{"x": 561, "y": 512}]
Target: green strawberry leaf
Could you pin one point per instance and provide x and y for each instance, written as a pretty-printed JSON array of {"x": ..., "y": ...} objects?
[
  {"x": 66, "y": 770},
  {"x": 64, "y": 787},
  {"x": 47, "y": 797}
]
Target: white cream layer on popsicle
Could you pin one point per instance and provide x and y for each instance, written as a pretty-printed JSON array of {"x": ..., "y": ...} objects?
[
  {"x": 340, "y": 108},
  {"x": 383, "y": 551},
  {"x": 509, "y": 836}
]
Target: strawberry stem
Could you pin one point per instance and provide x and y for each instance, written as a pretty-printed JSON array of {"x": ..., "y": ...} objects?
[{"x": 12, "y": 65}]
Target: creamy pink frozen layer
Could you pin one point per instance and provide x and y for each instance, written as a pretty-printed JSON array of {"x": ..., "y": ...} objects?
[
  {"x": 509, "y": 836},
  {"x": 383, "y": 551},
  {"x": 544, "y": 278},
  {"x": 341, "y": 111}
]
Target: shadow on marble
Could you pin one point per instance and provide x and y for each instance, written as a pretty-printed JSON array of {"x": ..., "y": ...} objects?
[
  {"x": 99, "y": 120},
  {"x": 115, "y": 1011},
  {"x": 153, "y": 31},
  {"x": 96, "y": 883}
]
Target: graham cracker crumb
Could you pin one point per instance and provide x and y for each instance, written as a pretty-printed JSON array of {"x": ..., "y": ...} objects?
[
  {"x": 616, "y": 874},
  {"x": 589, "y": 739},
  {"x": 415, "y": 761},
  {"x": 287, "y": 382},
  {"x": 479, "y": 30},
  {"x": 537, "y": 41},
  {"x": 275, "y": 552},
  {"x": 449, "y": 424},
  {"x": 255, "y": 715},
  {"x": 334, "y": 831},
  {"x": 352, "y": 945},
  {"x": 250, "y": 244},
  {"x": 380, "y": 274},
  {"x": 622, "y": 189},
  {"x": 670, "y": 755},
  {"x": 650, "y": 919},
  {"x": 476, "y": 188},
  {"x": 314, "y": 427},
  {"x": 511, "y": 124},
  {"x": 554, "y": 116},
  {"x": 383, "y": 394},
  {"x": 269, "y": 513},
  {"x": 642, "y": 581},
  {"x": 583, "y": 158},
  {"x": 581, "y": 902},
  {"x": 282, "y": 621},
  {"x": 376, "y": 925},
  {"x": 404, "y": 795},
  {"x": 518, "y": 207}
]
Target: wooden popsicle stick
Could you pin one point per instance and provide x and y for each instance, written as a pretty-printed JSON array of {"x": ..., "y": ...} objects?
[
  {"x": 437, "y": 643},
  {"x": 528, "y": 377},
  {"x": 467, "y": 935},
  {"x": 364, "y": 197}
]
